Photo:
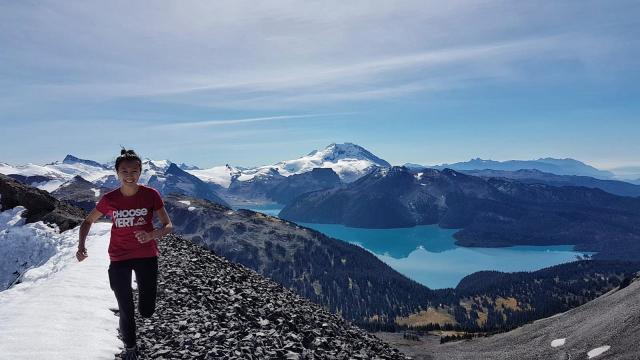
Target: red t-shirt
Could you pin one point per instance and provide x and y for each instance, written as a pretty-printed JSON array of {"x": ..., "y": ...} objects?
[{"x": 130, "y": 214}]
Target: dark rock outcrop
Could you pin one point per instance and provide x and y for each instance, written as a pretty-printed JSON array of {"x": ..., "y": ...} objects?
[
  {"x": 210, "y": 308},
  {"x": 80, "y": 192},
  {"x": 295, "y": 185},
  {"x": 256, "y": 189},
  {"x": 40, "y": 205},
  {"x": 271, "y": 186},
  {"x": 176, "y": 180},
  {"x": 30, "y": 180}
]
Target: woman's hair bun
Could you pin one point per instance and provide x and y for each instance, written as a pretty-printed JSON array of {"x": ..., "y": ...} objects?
[{"x": 127, "y": 155}]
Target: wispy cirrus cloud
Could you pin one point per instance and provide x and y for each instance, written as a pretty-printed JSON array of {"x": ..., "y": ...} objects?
[
  {"x": 291, "y": 53},
  {"x": 222, "y": 122}
]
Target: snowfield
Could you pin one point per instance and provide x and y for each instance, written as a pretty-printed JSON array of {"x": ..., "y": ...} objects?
[
  {"x": 60, "y": 310},
  {"x": 221, "y": 175}
]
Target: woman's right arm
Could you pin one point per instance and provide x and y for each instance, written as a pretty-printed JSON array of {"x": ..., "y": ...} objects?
[{"x": 93, "y": 216}]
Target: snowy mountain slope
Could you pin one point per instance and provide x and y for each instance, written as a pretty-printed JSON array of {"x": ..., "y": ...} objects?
[
  {"x": 44, "y": 177},
  {"x": 67, "y": 179},
  {"x": 61, "y": 308},
  {"x": 70, "y": 159},
  {"x": 221, "y": 175},
  {"x": 184, "y": 166},
  {"x": 58, "y": 173},
  {"x": 100, "y": 174},
  {"x": 176, "y": 180},
  {"x": 348, "y": 160},
  {"x": 152, "y": 168}
]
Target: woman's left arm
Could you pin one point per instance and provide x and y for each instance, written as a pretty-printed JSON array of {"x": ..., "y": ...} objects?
[{"x": 167, "y": 226}]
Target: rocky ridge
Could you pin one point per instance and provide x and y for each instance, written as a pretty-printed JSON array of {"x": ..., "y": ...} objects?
[
  {"x": 210, "y": 308},
  {"x": 39, "y": 204},
  {"x": 80, "y": 192}
]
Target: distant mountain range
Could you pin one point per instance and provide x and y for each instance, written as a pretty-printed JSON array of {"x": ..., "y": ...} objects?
[
  {"x": 285, "y": 180},
  {"x": 532, "y": 176},
  {"x": 344, "y": 163},
  {"x": 164, "y": 176},
  {"x": 549, "y": 165}
]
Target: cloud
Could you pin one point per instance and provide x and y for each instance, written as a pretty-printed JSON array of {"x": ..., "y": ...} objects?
[
  {"x": 222, "y": 122},
  {"x": 241, "y": 53}
]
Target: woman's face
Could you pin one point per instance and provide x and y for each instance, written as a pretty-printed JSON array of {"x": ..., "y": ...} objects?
[{"x": 129, "y": 172}]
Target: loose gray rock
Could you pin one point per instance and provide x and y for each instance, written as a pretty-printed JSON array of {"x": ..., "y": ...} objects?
[{"x": 211, "y": 308}]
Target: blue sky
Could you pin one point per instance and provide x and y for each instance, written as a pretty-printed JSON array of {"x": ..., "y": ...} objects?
[{"x": 248, "y": 83}]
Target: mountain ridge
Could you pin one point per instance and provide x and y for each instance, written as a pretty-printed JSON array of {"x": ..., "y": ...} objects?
[{"x": 491, "y": 212}]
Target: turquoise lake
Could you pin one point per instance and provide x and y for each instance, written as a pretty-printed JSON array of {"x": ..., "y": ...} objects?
[{"x": 428, "y": 254}]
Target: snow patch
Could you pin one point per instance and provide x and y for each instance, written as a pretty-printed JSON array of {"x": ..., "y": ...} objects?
[
  {"x": 191, "y": 208},
  {"x": 96, "y": 192},
  {"x": 24, "y": 246},
  {"x": 186, "y": 202},
  {"x": 61, "y": 302},
  {"x": 220, "y": 175},
  {"x": 597, "y": 351},
  {"x": 49, "y": 186},
  {"x": 557, "y": 342}
]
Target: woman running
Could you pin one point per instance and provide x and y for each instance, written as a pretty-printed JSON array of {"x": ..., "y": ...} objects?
[{"x": 132, "y": 246}]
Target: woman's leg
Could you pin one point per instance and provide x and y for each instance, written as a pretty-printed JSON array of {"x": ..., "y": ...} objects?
[
  {"x": 120, "y": 281},
  {"x": 147, "y": 277}
]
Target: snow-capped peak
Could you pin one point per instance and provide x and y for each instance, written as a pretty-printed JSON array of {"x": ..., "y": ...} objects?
[
  {"x": 156, "y": 165},
  {"x": 70, "y": 159},
  {"x": 348, "y": 160},
  {"x": 185, "y": 167},
  {"x": 153, "y": 167},
  {"x": 335, "y": 152}
]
